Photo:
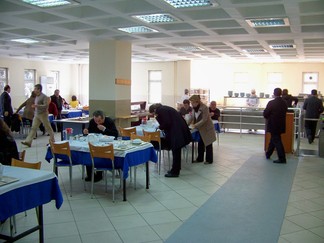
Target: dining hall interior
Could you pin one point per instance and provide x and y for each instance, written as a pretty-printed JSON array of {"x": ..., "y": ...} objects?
[{"x": 116, "y": 54}]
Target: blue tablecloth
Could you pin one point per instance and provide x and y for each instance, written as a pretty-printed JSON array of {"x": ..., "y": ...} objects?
[
  {"x": 34, "y": 188},
  {"x": 130, "y": 159},
  {"x": 71, "y": 113}
]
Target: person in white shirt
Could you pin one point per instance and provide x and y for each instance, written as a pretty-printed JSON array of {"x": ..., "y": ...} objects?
[{"x": 253, "y": 100}]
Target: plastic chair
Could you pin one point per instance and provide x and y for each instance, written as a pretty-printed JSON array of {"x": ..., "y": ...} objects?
[
  {"x": 22, "y": 164},
  {"x": 107, "y": 153},
  {"x": 126, "y": 132},
  {"x": 145, "y": 138},
  {"x": 62, "y": 158},
  {"x": 156, "y": 137}
]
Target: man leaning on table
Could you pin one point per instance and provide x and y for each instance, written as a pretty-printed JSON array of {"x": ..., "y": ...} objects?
[{"x": 104, "y": 125}]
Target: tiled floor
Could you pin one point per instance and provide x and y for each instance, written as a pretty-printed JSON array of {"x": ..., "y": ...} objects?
[{"x": 152, "y": 215}]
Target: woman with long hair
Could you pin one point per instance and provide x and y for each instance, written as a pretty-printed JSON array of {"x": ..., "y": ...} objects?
[{"x": 8, "y": 146}]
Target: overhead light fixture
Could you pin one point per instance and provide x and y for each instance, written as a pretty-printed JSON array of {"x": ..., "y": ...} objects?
[
  {"x": 270, "y": 22},
  {"x": 137, "y": 29},
  {"x": 48, "y": 3},
  {"x": 25, "y": 41},
  {"x": 190, "y": 3},
  {"x": 282, "y": 46},
  {"x": 255, "y": 51},
  {"x": 156, "y": 18},
  {"x": 190, "y": 48}
]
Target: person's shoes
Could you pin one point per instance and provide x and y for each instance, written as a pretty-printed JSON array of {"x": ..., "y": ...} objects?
[
  {"x": 197, "y": 161},
  {"x": 208, "y": 163},
  {"x": 25, "y": 143},
  {"x": 96, "y": 178},
  {"x": 171, "y": 175},
  {"x": 278, "y": 161},
  {"x": 43, "y": 132}
]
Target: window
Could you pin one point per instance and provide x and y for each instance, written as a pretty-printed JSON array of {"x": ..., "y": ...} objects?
[
  {"x": 310, "y": 81},
  {"x": 154, "y": 87},
  {"x": 274, "y": 81},
  {"x": 29, "y": 77},
  {"x": 3, "y": 78}
]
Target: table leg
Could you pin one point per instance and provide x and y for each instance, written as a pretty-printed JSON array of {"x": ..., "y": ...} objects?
[
  {"x": 124, "y": 190},
  {"x": 192, "y": 150},
  {"x": 147, "y": 175},
  {"x": 41, "y": 223}
]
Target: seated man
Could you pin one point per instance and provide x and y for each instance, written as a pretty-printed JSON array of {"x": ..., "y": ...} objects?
[
  {"x": 99, "y": 124},
  {"x": 214, "y": 111},
  {"x": 186, "y": 111}
]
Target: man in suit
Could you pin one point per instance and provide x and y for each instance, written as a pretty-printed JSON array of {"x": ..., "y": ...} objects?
[
  {"x": 313, "y": 107},
  {"x": 275, "y": 115},
  {"x": 177, "y": 133},
  {"x": 5, "y": 106},
  {"x": 99, "y": 124}
]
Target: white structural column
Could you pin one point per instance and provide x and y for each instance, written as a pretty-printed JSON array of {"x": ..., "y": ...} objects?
[{"x": 110, "y": 77}]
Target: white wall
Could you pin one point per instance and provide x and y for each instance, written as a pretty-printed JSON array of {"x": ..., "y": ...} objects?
[
  {"x": 219, "y": 77},
  {"x": 73, "y": 78}
]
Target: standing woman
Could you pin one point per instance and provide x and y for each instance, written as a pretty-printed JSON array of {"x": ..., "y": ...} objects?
[
  {"x": 8, "y": 146},
  {"x": 204, "y": 124}
]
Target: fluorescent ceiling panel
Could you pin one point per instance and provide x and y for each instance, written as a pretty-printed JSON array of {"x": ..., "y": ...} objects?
[
  {"x": 137, "y": 29},
  {"x": 190, "y": 3},
  {"x": 282, "y": 46},
  {"x": 25, "y": 41},
  {"x": 47, "y": 3},
  {"x": 190, "y": 48},
  {"x": 270, "y": 22},
  {"x": 156, "y": 18}
]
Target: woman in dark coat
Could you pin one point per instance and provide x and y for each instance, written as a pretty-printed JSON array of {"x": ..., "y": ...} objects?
[{"x": 177, "y": 133}]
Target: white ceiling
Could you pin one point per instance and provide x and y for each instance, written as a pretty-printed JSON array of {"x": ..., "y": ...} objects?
[{"x": 222, "y": 32}]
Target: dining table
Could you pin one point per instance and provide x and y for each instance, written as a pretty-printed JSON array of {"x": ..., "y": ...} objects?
[
  {"x": 78, "y": 124},
  {"x": 70, "y": 113},
  {"x": 153, "y": 126},
  {"x": 22, "y": 189},
  {"x": 127, "y": 154}
]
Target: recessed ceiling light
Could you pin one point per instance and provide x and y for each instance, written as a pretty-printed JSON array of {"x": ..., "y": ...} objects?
[
  {"x": 270, "y": 22},
  {"x": 47, "y": 3},
  {"x": 255, "y": 51},
  {"x": 282, "y": 46},
  {"x": 190, "y": 3},
  {"x": 137, "y": 29},
  {"x": 25, "y": 41},
  {"x": 190, "y": 48},
  {"x": 156, "y": 18}
]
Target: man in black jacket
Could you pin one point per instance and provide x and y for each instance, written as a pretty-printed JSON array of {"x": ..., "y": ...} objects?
[
  {"x": 177, "y": 133},
  {"x": 5, "y": 106},
  {"x": 275, "y": 113},
  {"x": 313, "y": 107},
  {"x": 58, "y": 101},
  {"x": 104, "y": 125}
]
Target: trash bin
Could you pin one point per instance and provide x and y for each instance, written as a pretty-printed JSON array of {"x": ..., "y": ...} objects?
[{"x": 321, "y": 137}]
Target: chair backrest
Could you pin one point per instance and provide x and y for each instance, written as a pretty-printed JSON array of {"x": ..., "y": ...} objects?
[
  {"x": 145, "y": 138},
  {"x": 19, "y": 163},
  {"x": 104, "y": 152},
  {"x": 22, "y": 155},
  {"x": 126, "y": 132},
  {"x": 61, "y": 148},
  {"x": 155, "y": 136}
]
